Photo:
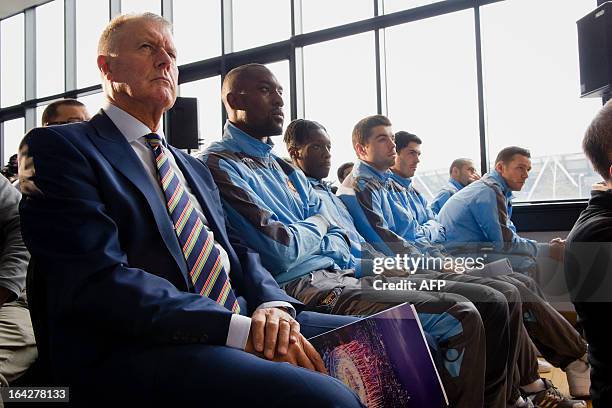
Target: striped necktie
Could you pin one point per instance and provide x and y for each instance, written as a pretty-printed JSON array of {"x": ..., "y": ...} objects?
[{"x": 206, "y": 270}]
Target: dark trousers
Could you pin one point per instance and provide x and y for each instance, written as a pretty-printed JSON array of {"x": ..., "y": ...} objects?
[
  {"x": 449, "y": 318},
  {"x": 541, "y": 326},
  {"x": 197, "y": 375},
  {"x": 552, "y": 334},
  {"x": 504, "y": 340},
  {"x": 594, "y": 317}
]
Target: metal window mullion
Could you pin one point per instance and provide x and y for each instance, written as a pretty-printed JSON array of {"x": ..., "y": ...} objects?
[
  {"x": 298, "y": 94},
  {"x": 30, "y": 64},
  {"x": 114, "y": 8},
  {"x": 484, "y": 147},
  {"x": 296, "y": 64},
  {"x": 380, "y": 56},
  {"x": 2, "y": 142},
  {"x": 167, "y": 12},
  {"x": 70, "y": 48},
  {"x": 297, "y": 26},
  {"x": 382, "y": 104},
  {"x": 30, "y": 119},
  {"x": 167, "y": 8},
  {"x": 227, "y": 27},
  {"x": 1, "y": 105},
  {"x": 227, "y": 43}
]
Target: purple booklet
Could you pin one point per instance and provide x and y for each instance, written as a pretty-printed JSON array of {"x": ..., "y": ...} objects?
[{"x": 385, "y": 359}]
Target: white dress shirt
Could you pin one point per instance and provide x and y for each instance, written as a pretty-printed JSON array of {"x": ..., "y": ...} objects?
[{"x": 135, "y": 131}]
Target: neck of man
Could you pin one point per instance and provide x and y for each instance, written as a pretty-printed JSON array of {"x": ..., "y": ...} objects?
[
  {"x": 254, "y": 133},
  {"x": 296, "y": 164},
  {"x": 149, "y": 118},
  {"x": 381, "y": 168},
  {"x": 397, "y": 170},
  {"x": 459, "y": 181}
]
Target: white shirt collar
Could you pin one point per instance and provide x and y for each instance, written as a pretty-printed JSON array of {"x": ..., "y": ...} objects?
[{"x": 128, "y": 125}]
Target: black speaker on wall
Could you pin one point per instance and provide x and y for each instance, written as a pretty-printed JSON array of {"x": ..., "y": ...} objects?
[
  {"x": 595, "y": 51},
  {"x": 181, "y": 126}
]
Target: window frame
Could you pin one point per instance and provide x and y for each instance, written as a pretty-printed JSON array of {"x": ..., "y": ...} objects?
[{"x": 290, "y": 50}]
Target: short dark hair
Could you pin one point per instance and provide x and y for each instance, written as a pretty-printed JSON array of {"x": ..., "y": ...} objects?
[
  {"x": 597, "y": 142},
  {"x": 403, "y": 139},
  {"x": 507, "y": 153},
  {"x": 297, "y": 132},
  {"x": 12, "y": 164},
  {"x": 458, "y": 163},
  {"x": 235, "y": 75},
  {"x": 50, "y": 112},
  {"x": 342, "y": 169},
  {"x": 362, "y": 129}
]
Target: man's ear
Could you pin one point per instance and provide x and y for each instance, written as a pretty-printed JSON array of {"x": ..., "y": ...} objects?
[
  {"x": 294, "y": 152},
  {"x": 103, "y": 64},
  {"x": 610, "y": 173},
  {"x": 454, "y": 172},
  {"x": 499, "y": 166},
  {"x": 234, "y": 101},
  {"x": 360, "y": 150}
]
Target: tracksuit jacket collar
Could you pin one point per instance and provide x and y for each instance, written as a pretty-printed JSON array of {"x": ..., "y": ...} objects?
[
  {"x": 316, "y": 183},
  {"x": 502, "y": 183},
  {"x": 245, "y": 143},
  {"x": 403, "y": 181},
  {"x": 455, "y": 183},
  {"x": 363, "y": 169}
]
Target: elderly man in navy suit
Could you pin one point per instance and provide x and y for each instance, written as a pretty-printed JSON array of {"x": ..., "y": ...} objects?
[{"x": 147, "y": 297}]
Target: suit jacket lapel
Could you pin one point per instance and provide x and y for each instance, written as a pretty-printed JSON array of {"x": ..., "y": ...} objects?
[{"x": 113, "y": 145}]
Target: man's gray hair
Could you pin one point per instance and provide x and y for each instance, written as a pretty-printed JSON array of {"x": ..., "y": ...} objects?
[{"x": 108, "y": 39}]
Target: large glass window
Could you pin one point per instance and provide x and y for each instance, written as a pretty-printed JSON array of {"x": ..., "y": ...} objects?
[
  {"x": 532, "y": 92},
  {"x": 208, "y": 92},
  {"x": 39, "y": 111},
  {"x": 12, "y": 61},
  {"x": 141, "y": 6},
  {"x": 260, "y": 22},
  {"x": 91, "y": 18},
  {"x": 281, "y": 72},
  {"x": 428, "y": 75},
  {"x": 340, "y": 89},
  {"x": 93, "y": 102},
  {"x": 320, "y": 14},
  {"x": 14, "y": 130},
  {"x": 197, "y": 29},
  {"x": 50, "y": 48},
  {"x": 432, "y": 91}
]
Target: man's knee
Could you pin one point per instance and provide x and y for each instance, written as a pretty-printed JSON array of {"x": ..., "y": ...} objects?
[
  {"x": 321, "y": 391},
  {"x": 510, "y": 292},
  {"x": 494, "y": 305}
]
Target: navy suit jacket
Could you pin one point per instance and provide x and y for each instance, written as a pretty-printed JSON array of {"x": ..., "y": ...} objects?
[{"x": 105, "y": 246}]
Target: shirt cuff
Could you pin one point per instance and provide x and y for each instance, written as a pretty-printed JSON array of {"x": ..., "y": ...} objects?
[
  {"x": 279, "y": 303},
  {"x": 238, "y": 332}
]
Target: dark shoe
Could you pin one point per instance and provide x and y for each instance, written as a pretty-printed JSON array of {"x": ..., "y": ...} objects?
[{"x": 551, "y": 397}]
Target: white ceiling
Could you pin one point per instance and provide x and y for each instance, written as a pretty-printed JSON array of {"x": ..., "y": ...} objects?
[{"x": 10, "y": 7}]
